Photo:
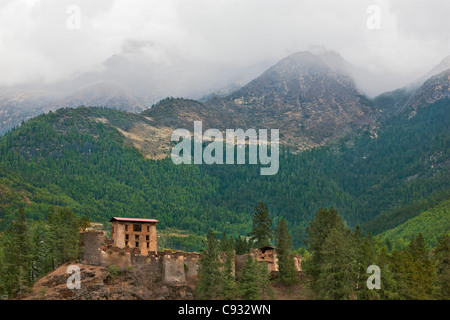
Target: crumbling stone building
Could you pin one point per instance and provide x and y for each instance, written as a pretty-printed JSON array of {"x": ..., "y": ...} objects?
[
  {"x": 133, "y": 243},
  {"x": 134, "y": 233}
]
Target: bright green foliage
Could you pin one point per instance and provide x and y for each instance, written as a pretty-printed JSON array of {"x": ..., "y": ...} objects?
[{"x": 432, "y": 224}]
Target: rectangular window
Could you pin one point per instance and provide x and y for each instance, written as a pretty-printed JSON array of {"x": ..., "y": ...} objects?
[
  {"x": 148, "y": 244},
  {"x": 126, "y": 237},
  {"x": 148, "y": 229},
  {"x": 126, "y": 227},
  {"x": 136, "y": 237},
  {"x": 136, "y": 227},
  {"x": 137, "y": 244},
  {"x": 126, "y": 243},
  {"x": 147, "y": 238}
]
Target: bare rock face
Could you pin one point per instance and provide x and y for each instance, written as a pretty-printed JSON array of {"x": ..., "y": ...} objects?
[
  {"x": 434, "y": 89},
  {"x": 308, "y": 98},
  {"x": 108, "y": 283}
]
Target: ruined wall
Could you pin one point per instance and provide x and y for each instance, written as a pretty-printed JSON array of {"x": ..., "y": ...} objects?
[
  {"x": 153, "y": 239},
  {"x": 118, "y": 236},
  {"x": 91, "y": 244},
  {"x": 172, "y": 268},
  {"x": 268, "y": 257}
]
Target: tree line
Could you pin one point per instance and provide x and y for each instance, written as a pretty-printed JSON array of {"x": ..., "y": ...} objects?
[
  {"x": 29, "y": 251},
  {"x": 66, "y": 158},
  {"x": 336, "y": 263}
]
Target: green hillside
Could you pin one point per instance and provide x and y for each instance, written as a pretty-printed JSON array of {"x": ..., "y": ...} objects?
[
  {"x": 68, "y": 158},
  {"x": 432, "y": 223}
]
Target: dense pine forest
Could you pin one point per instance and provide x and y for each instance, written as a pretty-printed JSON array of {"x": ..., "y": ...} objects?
[
  {"x": 67, "y": 159},
  {"x": 387, "y": 193},
  {"x": 336, "y": 265}
]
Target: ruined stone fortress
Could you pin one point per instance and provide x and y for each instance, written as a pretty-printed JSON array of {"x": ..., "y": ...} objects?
[{"x": 133, "y": 243}]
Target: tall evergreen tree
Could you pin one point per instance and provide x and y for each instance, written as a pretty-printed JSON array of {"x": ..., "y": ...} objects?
[
  {"x": 366, "y": 255},
  {"x": 3, "y": 275},
  {"x": 209, "y": 272},
  {"x": 442, "y": 257},
  {"x": 18, "y": 254},
  {"x": 287, "y": 273},
  {"x": 391, "y": 286},
  {"x": 63, "y": 236},
  {"x": 262, "y": 233},
  {"x": 254, "y": 280},
  {"x": 421, "y": 276},
  {"x": 317, "y": 232},
  {"x": 229, "y": 286},
  {"x": 401, "y": 264},
  {"x": 337, "y": 273},
  {"x": 41, "y": 261},
  {"x": 223, "y": 244}
]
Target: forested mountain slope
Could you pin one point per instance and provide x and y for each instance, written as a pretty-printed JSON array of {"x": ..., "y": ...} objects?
[{"x": 79, "y": 158}]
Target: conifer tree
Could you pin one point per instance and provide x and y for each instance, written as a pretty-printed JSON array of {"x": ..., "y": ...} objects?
[
  {"x": 390, "y": 286},
  {"x": 366, "y": 255},
  {"x": 317, "y": 232},
  {"x": 442, "y": 258},
  {"x": 3, "y": 275},
  {"x": 63, "y": 236},
  {"x": 223, "y": 244},
  {"x": 254, "y": 281},
  {"x": 287, "y": 273},
  {"x": 229, "y": 286},
  {"x": 209, "y": 272},
  {"x": 262, "y": 233},
  {"x": 18, "y": 255},
  {"x": 401, "y": 263},
  {"x": 421, "y": 275},
  {"x": 337, "y": 273},
  {"x": 41, "y": 263}
]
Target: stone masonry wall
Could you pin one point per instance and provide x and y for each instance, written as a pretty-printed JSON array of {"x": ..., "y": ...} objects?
[{"x": 173, "y": 268}]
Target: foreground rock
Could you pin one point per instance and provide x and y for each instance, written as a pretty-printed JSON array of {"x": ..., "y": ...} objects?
[{"x": 107, "y": 283}]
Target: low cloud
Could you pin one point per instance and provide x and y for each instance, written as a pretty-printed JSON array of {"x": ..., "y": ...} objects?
[{"x": 36, "y": 43}]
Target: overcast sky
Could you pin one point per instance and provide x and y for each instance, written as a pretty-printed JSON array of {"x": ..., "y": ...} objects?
[{"x": 46, "y": 40}]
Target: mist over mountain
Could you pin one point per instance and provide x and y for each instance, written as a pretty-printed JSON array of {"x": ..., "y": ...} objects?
[
  {"x": 311, "y": 98},
  {"x": 304, "y": 89},
  {"x": 130, "y": 81}
]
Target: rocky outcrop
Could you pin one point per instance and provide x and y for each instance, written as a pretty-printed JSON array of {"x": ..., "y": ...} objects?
[{"x": 108, "y": 283}]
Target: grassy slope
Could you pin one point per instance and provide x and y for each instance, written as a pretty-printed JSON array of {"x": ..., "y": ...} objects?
[{"x": 432, "y": 223}]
